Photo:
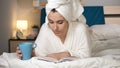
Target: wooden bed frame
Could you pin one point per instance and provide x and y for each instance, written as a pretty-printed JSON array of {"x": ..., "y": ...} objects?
[{"x": 112, "y": 14}]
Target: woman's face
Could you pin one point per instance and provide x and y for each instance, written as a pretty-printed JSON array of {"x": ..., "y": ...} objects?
[{"x": 58, "y": 23}]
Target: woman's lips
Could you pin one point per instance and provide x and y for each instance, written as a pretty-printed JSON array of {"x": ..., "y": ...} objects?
[{"x": 56, "y": 32}]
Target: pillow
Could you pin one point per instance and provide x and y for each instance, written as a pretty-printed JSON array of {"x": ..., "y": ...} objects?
[{"x": 104, "y": 32}]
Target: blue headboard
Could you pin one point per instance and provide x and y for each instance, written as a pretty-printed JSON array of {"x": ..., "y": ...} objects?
[
  {"x": 94, "y": 15},
  {"x": 43, "y": 15}
]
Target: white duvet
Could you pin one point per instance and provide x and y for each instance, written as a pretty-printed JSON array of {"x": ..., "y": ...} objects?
[
  {"x": 104, "y": 47},
  {"x": 106, "y": 54},
  {"x": 10, "y": 60}
]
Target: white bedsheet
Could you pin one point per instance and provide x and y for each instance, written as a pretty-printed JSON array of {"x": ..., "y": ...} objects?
[
  {"x": 104, "y": 45},
  {"x": 10, "y": 60}
]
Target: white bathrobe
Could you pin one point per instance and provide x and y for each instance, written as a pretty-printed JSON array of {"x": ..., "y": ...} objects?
[{"x": 77, "y": 41}]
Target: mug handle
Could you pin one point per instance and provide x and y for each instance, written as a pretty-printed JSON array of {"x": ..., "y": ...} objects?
[{"x": 34, "y": 45}]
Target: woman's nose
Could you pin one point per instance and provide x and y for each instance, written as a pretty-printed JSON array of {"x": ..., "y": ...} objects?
[{"x": 55, "y": 26}]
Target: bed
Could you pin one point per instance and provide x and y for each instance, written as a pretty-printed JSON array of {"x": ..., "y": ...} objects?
[{"x": 105, "y": 48}]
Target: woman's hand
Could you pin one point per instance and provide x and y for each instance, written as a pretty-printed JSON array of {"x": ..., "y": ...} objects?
[
  {"x": 59, "y": 55},
  {"x": 19, "y": 54}
]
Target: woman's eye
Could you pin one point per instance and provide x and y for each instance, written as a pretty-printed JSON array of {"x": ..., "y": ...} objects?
[{"x": 60, "y": 22}]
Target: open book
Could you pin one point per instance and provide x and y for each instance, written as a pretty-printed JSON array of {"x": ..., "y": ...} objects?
[{"x": 48, "y": 59}]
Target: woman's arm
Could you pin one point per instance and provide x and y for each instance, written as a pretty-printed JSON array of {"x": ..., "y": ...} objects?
[
  {"x": 82, "y": 46},
  {"x": 59, "y": 55}
]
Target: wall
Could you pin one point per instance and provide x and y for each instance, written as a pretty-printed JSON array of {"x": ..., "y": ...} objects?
[
  {"x": 98, "y": 2},
  {"x": 7, "y": 17},
  {"x": 103, "y": 2},
  {"x": 26, "y": 11}
]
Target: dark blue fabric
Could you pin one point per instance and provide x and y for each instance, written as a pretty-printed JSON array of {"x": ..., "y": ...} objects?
[
  {"x": 43, "y": 15},
  {"x": 94, "y": 15}
]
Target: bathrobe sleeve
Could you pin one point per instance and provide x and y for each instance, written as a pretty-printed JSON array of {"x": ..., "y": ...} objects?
[
  {"x": 81, "y": 43},
  {"x": 42, "y": 41}
]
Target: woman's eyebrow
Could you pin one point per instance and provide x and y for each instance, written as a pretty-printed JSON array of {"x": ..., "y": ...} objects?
[
  {"x": 50, "y": 19},
  {"x": 60, "y": 20}
]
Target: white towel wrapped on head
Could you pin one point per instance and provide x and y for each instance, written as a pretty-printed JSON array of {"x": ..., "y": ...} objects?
[{"x": 71, "y": 10}]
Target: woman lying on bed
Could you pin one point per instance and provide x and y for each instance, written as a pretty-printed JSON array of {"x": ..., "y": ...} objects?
[{"x": 64, "y": 33}]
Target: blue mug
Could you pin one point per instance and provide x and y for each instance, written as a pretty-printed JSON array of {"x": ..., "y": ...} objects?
[{"x": 26, "y": 49}]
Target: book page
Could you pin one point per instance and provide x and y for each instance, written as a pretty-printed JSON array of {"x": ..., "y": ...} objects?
[
  {"x": 48, "y": 59},
  {"x": 68, "y": 59}
]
